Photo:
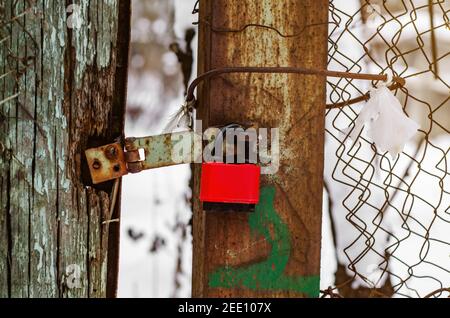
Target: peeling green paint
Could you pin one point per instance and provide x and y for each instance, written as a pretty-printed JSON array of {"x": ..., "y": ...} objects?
[
  {"x": 63, "y": 79},
  {"x": 269, "y": 274},
  {"x": 96, "y": 35}
]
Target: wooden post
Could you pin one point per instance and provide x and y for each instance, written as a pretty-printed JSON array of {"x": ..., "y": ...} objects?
[
  {"x": 274, "y": 252},
  {"x": 63, "y": 71}
]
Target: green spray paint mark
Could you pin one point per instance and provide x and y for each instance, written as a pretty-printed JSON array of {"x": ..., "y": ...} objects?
[{"x": 269, "y": 274}]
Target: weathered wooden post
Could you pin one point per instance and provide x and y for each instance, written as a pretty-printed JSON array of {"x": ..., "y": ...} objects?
[
  {"x": 274, "y": 252},
  {"x": 63, "y": 71}
]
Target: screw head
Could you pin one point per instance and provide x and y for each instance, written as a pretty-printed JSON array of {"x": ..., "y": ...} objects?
[
  {"x": 111, "y": 152},
  {"x": 96, "y": 165}
]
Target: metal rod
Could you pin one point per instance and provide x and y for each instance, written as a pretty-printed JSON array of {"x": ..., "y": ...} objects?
[
  {"x": 398, "y": 83},
  {"x": 287, "y": 70},
  {"x": 440, "y": 290}
]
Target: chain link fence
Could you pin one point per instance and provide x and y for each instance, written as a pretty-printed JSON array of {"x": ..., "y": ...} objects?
[{"x": 390, "y": 217}]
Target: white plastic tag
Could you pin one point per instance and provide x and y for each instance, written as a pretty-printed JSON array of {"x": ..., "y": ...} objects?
[{"x": 386, "y": 123}]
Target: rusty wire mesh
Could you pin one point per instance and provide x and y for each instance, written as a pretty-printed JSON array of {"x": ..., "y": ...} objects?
[{"x": 390, "y": 216}]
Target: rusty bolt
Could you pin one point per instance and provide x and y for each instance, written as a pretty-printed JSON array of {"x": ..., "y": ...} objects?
[
  {"x": 132, "y": 156},
  {"x": 96, "y": 165},
  {"x": 111, "y": 152},
  {"x": 134, "y": 167},
  {"x": 129, "y": 144}
]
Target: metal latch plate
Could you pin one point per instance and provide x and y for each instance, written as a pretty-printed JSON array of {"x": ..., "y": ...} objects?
[{"x": 106, "y": 162}]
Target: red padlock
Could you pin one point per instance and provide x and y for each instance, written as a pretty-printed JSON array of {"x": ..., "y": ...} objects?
[
  {"x": 223, "y": 184},
  {"x": 230, "y": 183}
]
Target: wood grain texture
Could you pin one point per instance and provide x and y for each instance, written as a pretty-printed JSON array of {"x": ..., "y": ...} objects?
[
  {"x": 53, "y": 241},
  {"x": 276, "y": 251}
]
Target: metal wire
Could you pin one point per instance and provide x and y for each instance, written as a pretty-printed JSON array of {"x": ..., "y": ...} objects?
[
  {"x": 285, "y": 70},
  {"x": 15, "y": 63}
]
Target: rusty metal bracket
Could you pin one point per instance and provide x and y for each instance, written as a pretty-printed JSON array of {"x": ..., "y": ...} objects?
[
  {"x": 106, "y": 162},
  {"x": 113, "y": 161}
]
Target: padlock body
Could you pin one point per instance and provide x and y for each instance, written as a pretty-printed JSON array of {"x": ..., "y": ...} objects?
[{"x": 230, "y": 183}]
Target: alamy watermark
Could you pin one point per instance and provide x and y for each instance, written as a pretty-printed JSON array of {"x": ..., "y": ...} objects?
[
  {"x": 73, "y": 276},
  {"x": 74, "y": 19},
  {"x": 230, "y": 144}
]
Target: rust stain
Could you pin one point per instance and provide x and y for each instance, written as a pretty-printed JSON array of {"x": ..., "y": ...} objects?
[
  {"x": 106, "y": 163},
  {"x": 270, "y": 101}
]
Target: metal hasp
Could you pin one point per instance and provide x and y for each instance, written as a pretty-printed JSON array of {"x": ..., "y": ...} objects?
[{"x": 114, "y": 161}]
